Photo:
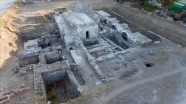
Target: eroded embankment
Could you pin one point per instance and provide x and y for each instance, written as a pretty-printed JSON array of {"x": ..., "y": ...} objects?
[{"x": 8, "y": 39}]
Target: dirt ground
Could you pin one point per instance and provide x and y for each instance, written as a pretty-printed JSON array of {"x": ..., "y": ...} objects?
[
  {"x": 140, "y": 21},
  {"x": 35, "y": 19}
]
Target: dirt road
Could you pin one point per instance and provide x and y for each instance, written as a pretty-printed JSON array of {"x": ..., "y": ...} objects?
[
  {"x": 139, "y": 21},
  {"x": 122, "y": 88}
]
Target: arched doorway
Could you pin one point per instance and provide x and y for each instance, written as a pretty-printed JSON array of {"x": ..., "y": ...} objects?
[
  {"x": 87, "y": 35},
  {"x": 124, "y": 35}
]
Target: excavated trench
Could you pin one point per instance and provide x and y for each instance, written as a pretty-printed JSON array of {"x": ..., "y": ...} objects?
[
  {"x": 58, "y": 87},
  {"x": 57, "y": 84},
  {"x": 33, "y": 27},
  {"x": 26, "y": 61},
  {"x": 118, "y": 42},
  {"x": 52, "y": 58}
]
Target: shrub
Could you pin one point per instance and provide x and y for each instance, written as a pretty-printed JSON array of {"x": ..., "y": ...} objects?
[{"x": 148, "y": 6}]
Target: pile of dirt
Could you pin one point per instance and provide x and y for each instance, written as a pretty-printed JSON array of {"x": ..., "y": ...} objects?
[{"x": 8, "y": 39}]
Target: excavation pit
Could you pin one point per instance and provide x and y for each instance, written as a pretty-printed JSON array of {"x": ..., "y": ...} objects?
[
  {"x": 27, "y": 61},
  {"x": 58, "y": 87},
  {"x": 118, "y": 42},
  {"x": 90, "y": 42},
  {"x": 52, "y": 58},
  {"x": 148, "y": 64},
  {"x": 48, "y": 49},
  {"x": 43, "y": 43},
  {"x": 79, "y": 77}
]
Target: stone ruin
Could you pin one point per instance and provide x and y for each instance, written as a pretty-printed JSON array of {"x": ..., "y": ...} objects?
[{"x": 84, "y": 35}]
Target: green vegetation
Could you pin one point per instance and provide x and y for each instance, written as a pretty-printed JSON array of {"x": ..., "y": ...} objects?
[
  {"x": 148, "y": 6},
  {"x": 51, "y": 97},
  {"x": 17, "y": 2}
]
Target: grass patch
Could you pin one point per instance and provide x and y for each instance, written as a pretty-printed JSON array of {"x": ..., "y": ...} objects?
[
  {"x": 51, "y": 97},
  {"x": 18, "y": 2},
  {"x": 148, "y": 6}
]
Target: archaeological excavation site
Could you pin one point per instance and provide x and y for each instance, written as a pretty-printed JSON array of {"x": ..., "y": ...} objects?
[{"x": 84, "y": 52}]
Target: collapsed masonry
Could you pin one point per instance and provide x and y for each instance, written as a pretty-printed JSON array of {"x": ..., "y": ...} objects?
[{"x": 84, "y": 35}]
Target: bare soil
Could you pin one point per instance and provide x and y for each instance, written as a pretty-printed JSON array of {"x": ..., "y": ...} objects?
[
  {"x": 140, "y": 21},
  {"x": 34, "y": 20},
  {"x": 8, "y": 39}
]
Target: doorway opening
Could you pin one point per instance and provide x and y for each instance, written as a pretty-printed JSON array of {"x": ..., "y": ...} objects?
[
  {"x": 124, "y": 35},
  {"x": 87, "y": 35}
]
